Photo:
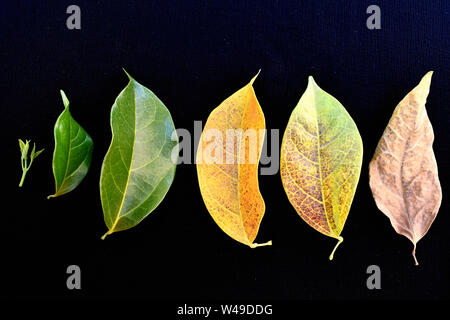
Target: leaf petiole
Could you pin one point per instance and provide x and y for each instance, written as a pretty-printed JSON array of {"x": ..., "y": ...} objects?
[
  {"x": 414, "y": 255},
  {"x": 340, "y": 240},
  {"x": 256, "y": 245},
  {"x": 24, "y": 173}
]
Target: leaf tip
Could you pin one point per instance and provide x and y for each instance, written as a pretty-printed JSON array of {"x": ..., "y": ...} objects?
[
  {"x": 128, "y": 75},
  {"x": 426, "y": 80},
  {"x": 312, "y": 83},
  {"x": 254, "y": 78},
  {"x": 64, "y": 99}
]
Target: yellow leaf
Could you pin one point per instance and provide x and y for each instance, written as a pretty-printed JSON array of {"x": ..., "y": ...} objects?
[
  {"x": 227, "y": 165},
  {"x": 321, "y": 157}
]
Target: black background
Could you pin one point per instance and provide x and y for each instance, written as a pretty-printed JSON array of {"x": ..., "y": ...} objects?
[{"x": 193, "y": 55}]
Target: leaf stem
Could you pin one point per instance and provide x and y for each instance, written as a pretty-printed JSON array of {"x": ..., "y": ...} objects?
[
  {"x": 255, "y": 245},
  {"x": 340, "y": 240},
  {"x": 414, "y": 255},
  {"x": 106, "y": 234},
  {"x": 24, "y": 173}
]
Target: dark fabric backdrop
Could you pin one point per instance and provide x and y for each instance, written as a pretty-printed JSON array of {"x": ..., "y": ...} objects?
[{"x": 193, "y": 55}]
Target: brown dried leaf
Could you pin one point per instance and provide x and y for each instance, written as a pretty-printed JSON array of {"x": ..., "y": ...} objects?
[{"x": 403, "y": 172}]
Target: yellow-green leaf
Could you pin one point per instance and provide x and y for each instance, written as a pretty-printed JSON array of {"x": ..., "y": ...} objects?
[{"x": 321, "y": 157}]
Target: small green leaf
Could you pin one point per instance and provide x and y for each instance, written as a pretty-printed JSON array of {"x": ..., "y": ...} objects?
[
  {"x": 73, "y": 152},
  {"x": 137, "y": 171},
  {"x": 21, "y": 145},
  {"x": 24, "y": 146},
  {"x": 33, "y": 151},
  {"x": 37, "y": 153},
  {"x": 25, "y": 150},
  {"x": 64, "y": 98}
]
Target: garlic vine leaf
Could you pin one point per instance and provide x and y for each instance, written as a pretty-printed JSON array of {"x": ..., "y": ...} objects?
[
  {"x": 24, "y": 148},
  {"x": 321, "y": 157},
  {"x": 138, "y": 168},
  {"x": 227, "y": 165},
  {"x": 403, "y": 171},
  {"x": 73, "y": 152}
]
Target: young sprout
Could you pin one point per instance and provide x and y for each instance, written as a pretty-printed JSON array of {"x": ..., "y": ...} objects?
[{"x": 24, "y": 146}]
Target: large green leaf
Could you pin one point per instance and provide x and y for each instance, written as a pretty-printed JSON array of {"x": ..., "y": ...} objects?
[
  {"x": 73, "y": 152},
  {"x": 137, "y": 170}
]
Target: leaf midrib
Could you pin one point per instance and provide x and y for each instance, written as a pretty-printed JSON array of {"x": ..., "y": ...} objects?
[
  {"x": 402, "y": 186},
  {"x": 332, "y": 233},
  {"x": 118, "y": 216},
  {"x": 65, "y": 178},
  {"x": 250, "y": 88}
]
